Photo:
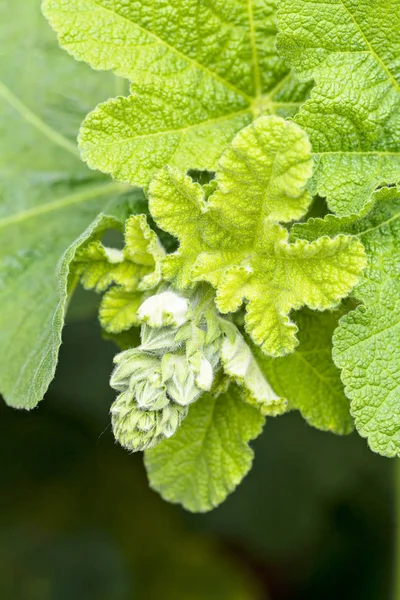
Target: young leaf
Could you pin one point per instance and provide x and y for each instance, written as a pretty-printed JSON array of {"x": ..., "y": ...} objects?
[
  {"x": 308, "y": 378},
  {"x": 367, "y": 340},
  {"x": 200, "y": 73},
  {"x": 234, "y": 241},
  {"x": 118, "y": 309},
  {"x": 137, "y": 266},
  {"x": 134, "y": 269},
  {"x": 143, "y": 248},
  {"x": 209, "y": 455},
  {"x": 48, "y": 197},
  {"x": 351, "y": 49},
  {"x": 98, "y": 267}
]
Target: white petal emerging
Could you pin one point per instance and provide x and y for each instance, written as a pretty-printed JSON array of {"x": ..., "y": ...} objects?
[{"x": 164, "y": 309}]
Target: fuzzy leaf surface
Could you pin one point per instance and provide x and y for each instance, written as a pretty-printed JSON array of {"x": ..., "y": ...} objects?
[
  {"x": 124, "y": 275},
  {"x": 351, "y": 49},
  {"x": 308, "y": 378},
  {"x": 233, "y": 239},
  {"x": 98, "y": 267},
  {"x": 137, "y": 266},
  {"x": 367, "y": 341},
  {"x": 199, "y": 73},
  {"x": 118, "y": 309},
  {"x": 48, "y": 198},
  {"x": 209, "y": 455}
]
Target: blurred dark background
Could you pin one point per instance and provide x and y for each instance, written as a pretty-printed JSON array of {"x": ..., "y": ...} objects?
[{"x": 313, "y": 519}]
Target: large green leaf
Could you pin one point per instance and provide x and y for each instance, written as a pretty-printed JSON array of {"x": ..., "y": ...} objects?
[
  {"x": 199, "y": 71},
  {"x": 47, "y": 196},
  {"x": 209, "y": 455},
  {"x": 233, "y": 239},
  {"x": 367, "y": 341},
  {"x": 351, "y": 48}
]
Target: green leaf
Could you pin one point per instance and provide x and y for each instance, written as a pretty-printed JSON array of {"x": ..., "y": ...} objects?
[
  {"x": 178, "y": 206},
  {"x": 351, "y": 49},
  {"x": 134, "y": 269},
  {"x": 308, "y": 378},
  {"x": 47, "y": 196},
  {"x": 143, "y": 248},
  {"x": 200, "y": 73},
  {"x": 367, "y": 340},
  {"x": 98, "y": 267},
  {"x": 234, "y": 242},
  {"x": 209, "y": 455},
  {"x": 118, "y": 309},
  {"x": 137, "y": 266}
]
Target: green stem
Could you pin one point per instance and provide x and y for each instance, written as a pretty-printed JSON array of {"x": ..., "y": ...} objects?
[{"x": 396, "y": 561}]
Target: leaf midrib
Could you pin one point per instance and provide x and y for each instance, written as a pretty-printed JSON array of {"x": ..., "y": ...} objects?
[
  {"x": 181, "y": 130},
  {"x": 379, "y": 226},
  {"x": 256, "y": 65},
  {"x": 30, "y": 117},
  {"x": 61, "y": 203},
  {"x": 299, "y": 355},
  {"x": 192, "y": 61},
  {"x": 370, "y": 47},
  {"x": 359, "y": 153}
]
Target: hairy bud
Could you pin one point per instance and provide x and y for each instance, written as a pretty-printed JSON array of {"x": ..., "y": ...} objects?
[
  {"x": 138, "y": 429},
  {"x": 173, "y": 366},
  {"x": 184, "y": 342}
]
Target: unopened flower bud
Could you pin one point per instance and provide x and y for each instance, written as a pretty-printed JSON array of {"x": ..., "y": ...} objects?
[
  {"x": 164, "y": 309},
  {"x": 137, "y": 429}
]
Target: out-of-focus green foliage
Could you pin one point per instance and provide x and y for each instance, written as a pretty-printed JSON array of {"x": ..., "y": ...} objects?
[{"x": 48, "y": 197}]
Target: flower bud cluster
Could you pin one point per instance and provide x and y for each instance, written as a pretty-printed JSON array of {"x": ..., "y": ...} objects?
[{"x": 175, "y": 363}]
